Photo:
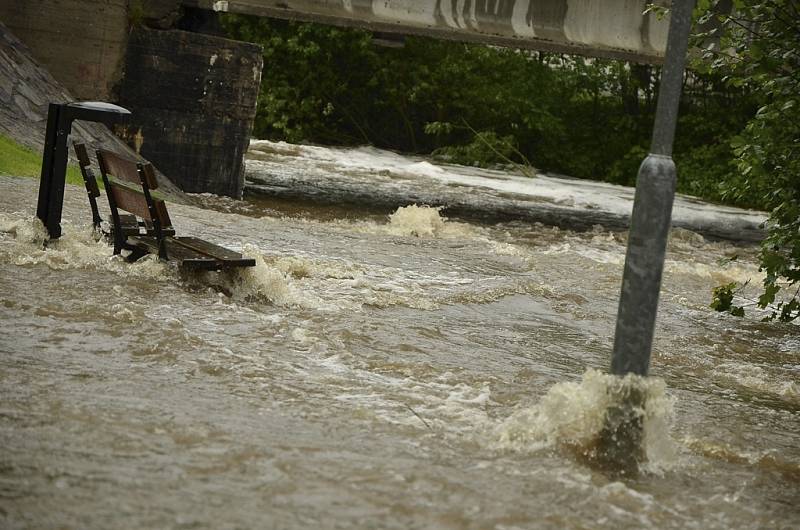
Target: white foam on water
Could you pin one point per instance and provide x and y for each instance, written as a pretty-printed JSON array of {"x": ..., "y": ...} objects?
[
  {"x": 420, "y": 221},
  {"x": 405, "y": 394},
  {"x": 24, "y": 241},
  {"x": 24, "y": 230},
  {"x": 129, "y": 312},
  {"x": 384, "y": 299},
  {"x": 326, "y": 285},
  {"x": 600, "y": 256},
  {"x": 222, "y": 203},
  {"x": 623, "y": 501},
  {"x": 572, "y": 414},
  {"x": 340, "y": 284},
  {"x": 684, "y": 254},
  {"x": 300, "y": 267},
  {"x": 719, "y": 274},
  {"x": 574, "y": 193},
  {"x": 683, "y": 238},
  {"x": 450, "y": 407},
  {"x": 303, "y": 337},
  {"x": 266, "y": 283},
  {"x": 765, "y": 459},
  {"x": 754, "y": 378},
  {"x": 720, "y": 265},
  {"x": 501, "y": 248}
]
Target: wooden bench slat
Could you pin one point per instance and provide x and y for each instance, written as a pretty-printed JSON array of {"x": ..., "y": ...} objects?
[
  {"x": 186, "y": 257},
  {"x": 177, "y": 252},
  {"x": 129, "y": 201},
  {"x": 129, "y": 224},
  {"x": 135, "y": 188},
  {"x": 89, "y": 180},
  {"x": 223, "y": 258},
  {"x": 131, "y": 198},
  {"x": 208, "y": 248},
  {"x": 215, "y": 264},
  {"x": 122, "y": 168}
]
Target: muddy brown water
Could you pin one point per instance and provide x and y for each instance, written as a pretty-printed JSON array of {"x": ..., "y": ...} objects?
[{"x": 375, "y": 371}]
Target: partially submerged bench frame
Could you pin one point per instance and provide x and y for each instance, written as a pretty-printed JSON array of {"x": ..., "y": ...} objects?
[
  {"x": 132, "y": 187},
  {"x": 89, "y": 181}
]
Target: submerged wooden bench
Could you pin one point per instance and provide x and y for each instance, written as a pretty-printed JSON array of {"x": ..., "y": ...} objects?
[{"x": 146, "y": 228}]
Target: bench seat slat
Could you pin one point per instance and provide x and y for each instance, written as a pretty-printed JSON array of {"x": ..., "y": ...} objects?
[
  {"x": 208, "y": 248},
  {"x": 129, "y": 224},
  {"x": 176, "y": 252},
  {"x": 214, "y": 264},
  {"x": 189, "y": 258}
]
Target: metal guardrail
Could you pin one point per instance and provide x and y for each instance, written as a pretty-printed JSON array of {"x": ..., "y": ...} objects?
[{"x": 609, "y": 28}]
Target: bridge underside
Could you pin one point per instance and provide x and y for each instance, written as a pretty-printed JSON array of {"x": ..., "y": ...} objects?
[{"x": 609, "y": 28}]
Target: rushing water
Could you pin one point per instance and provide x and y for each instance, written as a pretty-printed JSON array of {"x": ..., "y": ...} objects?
[{"x": 376, "y": 371}]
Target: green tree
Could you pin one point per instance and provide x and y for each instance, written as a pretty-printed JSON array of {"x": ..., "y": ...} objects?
[
  {"x": 758, "y": 52},
  {"x": 736, "y": 142}
]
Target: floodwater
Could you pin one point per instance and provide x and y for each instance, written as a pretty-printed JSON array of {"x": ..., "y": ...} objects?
[{"x": 376, "y": 371}]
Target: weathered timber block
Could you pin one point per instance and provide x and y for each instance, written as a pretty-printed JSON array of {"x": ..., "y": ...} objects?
[{"x": 193, "y": 99}]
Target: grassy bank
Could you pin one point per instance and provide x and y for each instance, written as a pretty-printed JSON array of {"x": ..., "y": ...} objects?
[{"x": 20, "y": 161}]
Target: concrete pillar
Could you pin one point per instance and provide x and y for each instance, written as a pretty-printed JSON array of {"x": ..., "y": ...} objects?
[{"x": 193, "y": 102}]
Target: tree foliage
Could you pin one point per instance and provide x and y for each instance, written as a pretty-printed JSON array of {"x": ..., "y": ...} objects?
[
  {"x": 737, "y": 136},
  {"x": 479, "y": 105},
  {"x": 759, "y": 53}
]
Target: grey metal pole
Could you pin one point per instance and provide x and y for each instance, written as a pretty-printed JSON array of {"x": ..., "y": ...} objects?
[
  {"x": 652, "y": 212},
  {"x": 620, "y": 440}
]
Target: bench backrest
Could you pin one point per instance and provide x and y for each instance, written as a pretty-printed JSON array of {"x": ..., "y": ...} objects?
[{"x": 129, "y": 185}]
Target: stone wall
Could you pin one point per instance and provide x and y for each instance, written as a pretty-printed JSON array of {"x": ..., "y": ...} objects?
[
  {"x": 193, "y": 99},
  {"x": 80, "y": 42},
  {"x": 26, "y": 89},
  {"x": 193, "y": 96}
]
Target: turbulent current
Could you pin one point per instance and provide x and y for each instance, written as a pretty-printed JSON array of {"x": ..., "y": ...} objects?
[{"x": 377, "y": 369}]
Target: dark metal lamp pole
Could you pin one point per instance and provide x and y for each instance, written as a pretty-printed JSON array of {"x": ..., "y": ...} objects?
[{"x": 54, "y": 158}]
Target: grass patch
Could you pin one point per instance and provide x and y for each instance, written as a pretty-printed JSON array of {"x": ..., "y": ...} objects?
[{"x": 20, "y": 161}]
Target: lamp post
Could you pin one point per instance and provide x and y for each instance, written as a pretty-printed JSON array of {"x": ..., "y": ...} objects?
[
  {"x": 621, "y": 439},
  {"x": 652, "y": 212},
  {"x": 54, "y": 158}
]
